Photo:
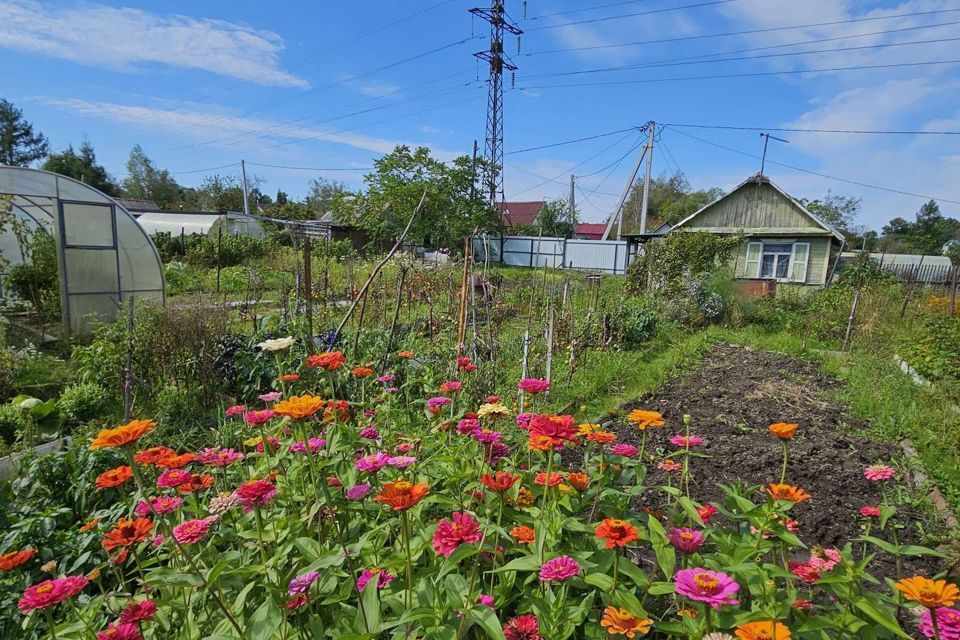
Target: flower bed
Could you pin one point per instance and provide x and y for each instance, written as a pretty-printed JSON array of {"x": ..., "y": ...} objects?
[{"x": 352, "y": 505}]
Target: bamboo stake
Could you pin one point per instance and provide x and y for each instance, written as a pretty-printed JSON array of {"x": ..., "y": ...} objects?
[
  {"x": 462, "y": 315},
  {"x": 396, "y": 315}
]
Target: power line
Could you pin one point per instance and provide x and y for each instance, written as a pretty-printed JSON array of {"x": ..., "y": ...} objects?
[
  {"x": 566, "y": 142},
  {"x": 802, "y": 130},
  {"x": 582, "y": 9},
  {"x": 741, "y": 33},
  {"x": 281, "y": 166},
  {"x": 632, "y": 15},
  {"x": 683, "y": 62},
  {"x": 742, "y": 75},
  {"x": 811, "y": 172},
  {"x": 222, "y": 166}
]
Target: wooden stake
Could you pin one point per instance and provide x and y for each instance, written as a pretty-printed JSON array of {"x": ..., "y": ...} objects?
[{"x": 308, "y": 288}]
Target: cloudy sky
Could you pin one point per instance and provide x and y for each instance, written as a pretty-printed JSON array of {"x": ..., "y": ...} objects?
[{"x": 323, "y": 88}]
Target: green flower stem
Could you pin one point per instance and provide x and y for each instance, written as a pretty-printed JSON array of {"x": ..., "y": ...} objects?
[
  {"x": 405, "y": 524},
  {"x": 783, "y": 472},
  {"x": 76, "y": 612},
  {"x": 50, "y": 623},
  {"x": 545, "y": 505},
  {"x": 263, "y": 549},
  {"x": 936, "y": 625},
  {"x": 616, "y": 571},
  {"x": 643, "y": 445}
]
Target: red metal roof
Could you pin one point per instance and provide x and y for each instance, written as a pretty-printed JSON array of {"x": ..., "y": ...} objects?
[
  {"x": 590, "y": 230},
  {"x": 514, "y": 214}
]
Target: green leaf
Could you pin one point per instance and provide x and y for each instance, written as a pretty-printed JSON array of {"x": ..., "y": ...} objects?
[
  {"x": 310, "y": 548},
  {"x": 661, "y": 588},
  {"x": 525, "y": 563},
  {"x": 264, "y": 622},
  {"x": 883, "y": 618},
  {"x": 182, "y": 580},
  {"x": 368, "y": 617},
  {"x": 666, "y": 556},
  {"x": 485, "y": 617},
  {"x": 599, "y": 580}
]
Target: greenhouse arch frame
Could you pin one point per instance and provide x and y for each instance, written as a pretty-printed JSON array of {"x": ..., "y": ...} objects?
[{"x": 104, "y": 258}]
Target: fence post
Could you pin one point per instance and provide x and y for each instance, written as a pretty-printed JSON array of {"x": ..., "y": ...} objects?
[
  {"x": 219, "y": 247},
  {"x": 616, "y": 256},
  {"x": 563, "y": 257},
  {"x": 953, "y": 291}
]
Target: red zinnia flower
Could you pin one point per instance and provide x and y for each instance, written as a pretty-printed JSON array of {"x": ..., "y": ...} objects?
[
  {"x": 127, "y": 533},
  {"x": 328, "y": 361},
  {"x": 559, "y": 429},
  {"x": 14, "y": 559},
  {"x": 499, "y": 482},
  {"x": 523, "y": 627},
  {"x": 554, "y": 479},
  {"x": 617, "y": 533},
  {"x": 114, "y": 477}
]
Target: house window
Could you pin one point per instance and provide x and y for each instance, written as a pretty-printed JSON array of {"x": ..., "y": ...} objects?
[
  {"x": 775, "y": 260},
  {"x": 783, "y": 261}
]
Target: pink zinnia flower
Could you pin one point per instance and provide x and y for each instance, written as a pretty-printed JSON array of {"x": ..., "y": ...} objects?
[
  {"x": 712, "y": 587},
  {"x": 192, "y": 531},
  {"x": 138, "y": 611},
  {"x": 496, "y": 451},
  {"x": 523, "y": 627},
  {"x": 450, "y": 534},
  {"x": 255, "y": 492},
  {"x": 173, "y": 478},
  {"x": 486, "y": 436},
  {"x": 235, "y": 410},
  {"x": 217, "y": 457},
  {"x": 387, "y": 378},
  {"x": 870, "y": 511},
  {"x": 948, "y": 623},
  {"x": 468, "y": 426},
  {"x": 451, "y": 386},
  {"x": 258, "y": 417},
  {"x": 50, "y": 592},
  {"x": 485, "y": 600},
  {"x": 405, "y": 447},
  {"x": 121, "y": 631},
  {"x": 686, "y": 540},
  {"x": 825, "y": 559},
  {"x": 685, "y": 441},
  {"x": 370, "y": 433},
  {"x": 359, "y": 492},
  {"x": 878, "y": 473},
  {"x": 439, "y": 401},
  {"x": 625, "y": 450},
  {"x": 383, "y": 578},
  {"x": 670, "y": 466},
  {"x": 401, "y": 462},
  {"x": 533, "y": 385},
  {"x": 301, "y": 447},
  {"x": 157, "y": 540},
  {"x": 559, "y": 569},
  {"x": 271, "y": 396},
  {"x": 301, "y": 584},
  {"x": 157, "y": 504},
  {"x": 373, "y": 462},
  {"x": 524, "y": 420}
]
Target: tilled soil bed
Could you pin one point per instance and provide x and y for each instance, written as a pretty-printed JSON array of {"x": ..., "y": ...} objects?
[{"x": 732, "y": 397}]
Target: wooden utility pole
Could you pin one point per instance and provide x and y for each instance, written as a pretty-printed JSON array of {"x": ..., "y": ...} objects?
[{"x": 648, "y": 151}]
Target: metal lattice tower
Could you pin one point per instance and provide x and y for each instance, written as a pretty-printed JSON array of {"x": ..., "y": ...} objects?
[{"x": 493, "y": 148}]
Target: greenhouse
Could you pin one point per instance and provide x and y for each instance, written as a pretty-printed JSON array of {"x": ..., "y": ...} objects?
[
  {"x": 197, "y": 222},
  {"x": 103, "y": 256}
]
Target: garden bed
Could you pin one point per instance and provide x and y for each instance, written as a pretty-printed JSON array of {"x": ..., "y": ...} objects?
[{"x": 732, "y": 397}]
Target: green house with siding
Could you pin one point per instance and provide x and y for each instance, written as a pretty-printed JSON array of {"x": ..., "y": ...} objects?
[{"x": 782, "y": 240}]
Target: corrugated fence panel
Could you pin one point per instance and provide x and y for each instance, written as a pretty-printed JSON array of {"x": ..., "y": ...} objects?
[{"x": 609, "y": 256}]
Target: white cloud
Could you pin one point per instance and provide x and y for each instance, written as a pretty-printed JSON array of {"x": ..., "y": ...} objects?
[
  {"x": 125, "y": 39},
  {"x": 378, "y": 89},
  {"x": 224, "y": 130}
]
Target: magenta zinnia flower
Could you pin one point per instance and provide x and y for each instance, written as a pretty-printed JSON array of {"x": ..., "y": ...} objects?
[
  {"x": 50, "y": 592},
  {"x": 217, "y": 457},
  {"x": 358, "y": 492},
  {"x": 485, "y": 600},
  {"x": 302, "y": 583},
  {"x": 496, "y": 452},
  {"x": 523, "y": 627},
  {"x": 685, "y": 441},
  {"x": 173, "y": 478},
  {"x": 437, "y": 402},
  {"x": 370, "y": 433},
  {"x": 301, "y": 447},
  {"x": 878, "y": 473},
  {"x": 161, "y": 504},
  {"x": 703, "y": 585},
  {"x": 372, "y": 463},
  {"x": 401, "y": 462},
  {"x": 255, "y": 492},
  {"x": 450, "y": 534},
  {"x": 524, "y": 420},
  {"x": 468, "y": 426},
  {"x": 870, "y": 511},
  {"x": 686, "y": 540},
  {"x": 383, "y": 578},
  {"x": 948, "y": 622},
  {"x": 193, "y": 531},
  {"x": 625, "y": 450},
  {"x": 138, "y": 611},
  {"x": 120, "y": 631},
  {"x": 259, "y": 417},
  {"x": 235, "y": 410},
  {"x": 559, "y": 569},
  {"x": 533, "y": 385}
]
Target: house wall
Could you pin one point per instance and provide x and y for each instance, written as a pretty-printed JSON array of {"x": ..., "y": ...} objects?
[
  {"x": 818, "y": 264},
  {"x": 753, "y": 206}
]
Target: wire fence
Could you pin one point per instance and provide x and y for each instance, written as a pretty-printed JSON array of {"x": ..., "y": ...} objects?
[{"x": 605, "y": 256}]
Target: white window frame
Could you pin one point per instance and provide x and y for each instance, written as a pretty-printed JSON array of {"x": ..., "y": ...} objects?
[
  {"x": 755, "y": 262},
  {"x": 763, "y": 250},
  {"x": 794, "y": 264}
]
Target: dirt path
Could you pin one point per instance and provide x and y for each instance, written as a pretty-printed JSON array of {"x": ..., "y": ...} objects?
[{"x": 733, "y": 395}]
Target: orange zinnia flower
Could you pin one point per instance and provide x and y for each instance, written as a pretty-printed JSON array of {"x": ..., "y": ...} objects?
[
  {"x": 363, "y": 372},
  {"x": 499, "y": 482},
  {"x": 127, "y": 533},
  {"x": 299, "y": 407},
  {"x": 122, "y": 435},
  {"x": 586, "y": 429},
  {"x": 401, "y": 495},
  {"x": 601, "y": 437},
  {"x": 540, "y": 443},
  {"x": 763, "y": 630},
  {"x": 14, "y": 559},
  {"x": 175, "y": 461},
  {"x": 197, "y": 482},
  {"x": 620, "y": 622},
  {"x": 787, "y": 492},
  {"x": 645, "y": 419},
  {"x": 328, "y": 361},
  {"x": 523, "y": 534},
  {"x": 153, "y": 454},
  {"x": 617, "y": 533},
  {"x": 288, "y": 377},
  {"x": 404, "y": 354},
  {"x": 932, "y": 594},
  {"x": 579, "y": 481},
  {"x": 89, "y": 525},
  {"x": 114, "y": 477},
  {"x": 783, "y": 430}
]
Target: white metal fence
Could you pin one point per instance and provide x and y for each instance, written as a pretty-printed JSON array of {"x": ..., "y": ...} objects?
[{"x": 608, "y": 256}]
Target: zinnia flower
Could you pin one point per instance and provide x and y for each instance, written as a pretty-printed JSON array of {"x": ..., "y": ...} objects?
[
  {"x": 825, "y": 559},
  {"x": 579, "y": 481},
  {"x": 435, "y": 403},
  {"x": 878, "y": 473},
  {"x": 14, "y": 559},
  {"x": 493, "y": 410},
  {"x": 932, "y": 594},
  {"x": 559, "y": 429},
  {"x": 152, "y": 455},
  {"x": 623, "y": 449},
  {"x": 485, "y": 600},
  {"x": 373, "y": 462},
  {"x": 451, "y": 386},
  {"x": 620, "y": 622},
  {"x": 711, "y": 587},
  {"x": 400, "y": 462},
  {"x": 645, "y": 419},
  {"x": 362, "y": 372},
  {"x": 123, "y": 435},
  {"x": 301, "y": 584},
  {"x": 523, "y": 627},
  {"x": 196, "y": 482},
  {"x": 276, "y": 344},
  {"x": 783, "y": 430},
  {"x": 948, "y": 623},
  {"x": 763, "y": 630},
  {"x": 114, "y": 477},
  {"x": 553, "y": 480},
  {"x": 120, "y": 631},
  {"x": 405, "y": 354},
  {"x": 804, "y": 571},
  {"x": 670, "y": 466},
  {"x": 401, "y": 495},
  {"x": 533, "y": 386},
  {"x": 193, "y": 531},
  {"x": 138, "y": 611},
  {"x": 499, "y": 482},
  {"x": 258, "y": 417},
  {"x": 559, "y": 569},
  {"x": 450, "y": 534},
  {"x": 601, "y": 437},
  {"x": 223, "y": 503},
  {"x": 686, "y": 441},
  {"x": 383, "y": 578},
  {"x": 301, "y": 446},
  {"x": 706, "y": 512},
  {"x": 523, "y": 534},
  {"x": 270, "y": 396},
  {"x": 685, "y": 539},
  {"x": 787, "y": 492},
  {"x": 299, "y": 407},
  {"x": 870, "y": 511},
  {"x": 616, "y": 533},
  {"x": 217, "y": 457},
  {"x": 50, "y": 592},
  {"x": 358, "y": 492},
  {"x": 234, "y": 411},
  {"x": 157, "y": 504},
  {"x": 370, "y": 433},
  {"x": 255, "y": 492},
  {"x": 288, "y": 377},
  {"x": 127, "y": 533},
  {"x": 328, "y": 361}
]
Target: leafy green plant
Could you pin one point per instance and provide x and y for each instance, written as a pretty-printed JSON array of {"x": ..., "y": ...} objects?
[
  {"x": 13, "y": 422},
  {"x": 634, "y": 322},
  {"x": 82, "y": 402}
]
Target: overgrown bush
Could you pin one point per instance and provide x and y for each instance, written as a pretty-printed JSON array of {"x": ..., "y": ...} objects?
[
  {"x": 13, "y": 421},
  {"x": 37, "y": 280},
  {"x": 668, "y": 266},
  {"x": 634, "y": 322},
  {"x": 234, "y": 250},
  {"x": 934, "y": 348},
  {"x": 80, "y": 403}
]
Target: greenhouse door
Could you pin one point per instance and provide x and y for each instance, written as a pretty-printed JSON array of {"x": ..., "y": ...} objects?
[{"x": 90, "y": 265}]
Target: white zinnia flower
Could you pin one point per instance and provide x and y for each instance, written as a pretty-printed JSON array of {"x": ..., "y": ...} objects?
[{"x": 277, "y": 344}]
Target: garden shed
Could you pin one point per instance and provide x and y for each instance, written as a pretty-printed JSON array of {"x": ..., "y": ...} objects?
[
  {"x": 201, "y": 222},
  {"x": 103, "y": 256},
  {"x": 782, "y": 239}
]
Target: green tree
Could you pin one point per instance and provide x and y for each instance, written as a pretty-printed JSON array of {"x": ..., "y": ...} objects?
[
  {"x": 453, "y": 208},
  {"x": 671, "y": 200},
  {"x": 555, "y": 220},
  {"x": 840, "y": 212},
  {"x": 82, "y": 166},
  {"x": 19, "y": 144},
  {"x": 220, "y": 193},
  {"x": 323, "y": 193},
  {"x": 145, "y": 182},
  {"x": 927, "y": 234}
]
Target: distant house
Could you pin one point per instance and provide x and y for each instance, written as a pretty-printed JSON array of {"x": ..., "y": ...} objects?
[
  {"x": 589, "y": 230},
  {"x": 520, "y": 214},
  {"x": 782, "y": 239}
]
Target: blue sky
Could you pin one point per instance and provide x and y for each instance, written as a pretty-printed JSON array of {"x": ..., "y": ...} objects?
[{"x": 332, "y": 85}]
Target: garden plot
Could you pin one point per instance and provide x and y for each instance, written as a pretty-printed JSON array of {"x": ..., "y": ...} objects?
[{"x": 732, "y": 397}]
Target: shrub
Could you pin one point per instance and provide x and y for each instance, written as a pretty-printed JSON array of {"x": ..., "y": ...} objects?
[
  {"x": 37, "y": 281},
  {"x": 234, "y": 250},
  {"x": 934, "y": 349},
  {"x": 13, "y": 422},
  {"x": 682, "y": 257},
  {"x": 633, "y": 322},
  {"x": 83, "y": 402}
]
